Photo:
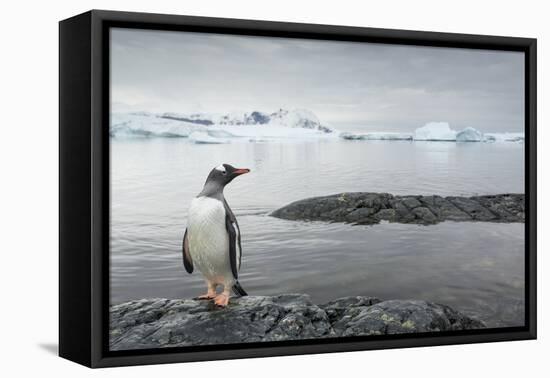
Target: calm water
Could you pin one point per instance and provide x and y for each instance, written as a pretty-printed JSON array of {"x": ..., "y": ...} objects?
[{"x": 477, "y": 268}]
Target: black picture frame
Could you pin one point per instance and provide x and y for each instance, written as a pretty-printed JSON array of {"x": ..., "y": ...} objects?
[{"x": 84, "y": 186}]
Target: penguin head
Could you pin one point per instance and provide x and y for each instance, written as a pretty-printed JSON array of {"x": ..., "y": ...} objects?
[{"x": 224, "y": 174}]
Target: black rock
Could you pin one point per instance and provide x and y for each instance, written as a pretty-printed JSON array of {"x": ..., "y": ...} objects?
[
  {"x": 371, "y": 208},
  {"x": 156, "y": 323},
  {"x": 205, "y": 122},
  {"x": 257, "y": 118}
]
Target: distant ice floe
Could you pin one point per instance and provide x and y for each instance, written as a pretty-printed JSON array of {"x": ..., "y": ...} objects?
[
  {"x": 441, "y": 131},
  {"x": 377, "y": 136},
  {"x": 204, "y": 128},
  {"x": 438, "y": 132},
  {"x": 504, "y": 137}
]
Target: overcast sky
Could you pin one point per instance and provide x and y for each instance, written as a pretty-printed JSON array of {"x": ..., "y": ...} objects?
[{"x": 348, "y": 85}]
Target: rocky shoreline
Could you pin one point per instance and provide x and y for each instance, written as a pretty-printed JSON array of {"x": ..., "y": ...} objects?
[
  {"x": 372, "y": 208},
  {"x": 157, "y": 323}
]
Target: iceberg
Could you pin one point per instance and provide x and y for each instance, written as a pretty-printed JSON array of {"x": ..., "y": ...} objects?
[
  {"x": 469, "y": 134},
  {"x": 271, "y": 132},
  {"x": 201, "y": 137},
  {"x": 376, "y": 135},
  {"x": 435, "y": 131},
  {"x": 217, "y": 133},
  {"x": 148, "y": 125}
]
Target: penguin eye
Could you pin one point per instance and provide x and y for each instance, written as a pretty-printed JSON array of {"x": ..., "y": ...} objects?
[{"x": 222, "y": 169}]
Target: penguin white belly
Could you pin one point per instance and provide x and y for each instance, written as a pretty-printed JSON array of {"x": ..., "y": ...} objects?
[{"x": 208, "y": 240}]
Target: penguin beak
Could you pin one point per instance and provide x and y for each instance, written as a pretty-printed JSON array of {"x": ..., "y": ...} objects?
[{"x": 240, "y": 171}]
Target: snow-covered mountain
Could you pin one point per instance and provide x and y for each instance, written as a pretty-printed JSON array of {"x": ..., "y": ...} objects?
[
  {"x": 282, "y": 123},
  {"x": 297, "y": 118}
]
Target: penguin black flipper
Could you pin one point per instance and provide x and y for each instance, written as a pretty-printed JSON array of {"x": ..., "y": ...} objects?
[
  {"x": 234, "y": 233},
  {"x": 187, "y": 261}
]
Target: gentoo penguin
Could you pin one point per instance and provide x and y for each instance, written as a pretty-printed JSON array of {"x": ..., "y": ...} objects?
[{"x": 212, "y": 240}]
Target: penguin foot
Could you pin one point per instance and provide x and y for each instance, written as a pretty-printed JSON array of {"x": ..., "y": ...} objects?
[
  {"x": 205, "y": 297},
  {"x": 222, "y": 300}
]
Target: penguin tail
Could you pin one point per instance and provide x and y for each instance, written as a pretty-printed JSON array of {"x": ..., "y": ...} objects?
[{"x": 238, "y": 289}]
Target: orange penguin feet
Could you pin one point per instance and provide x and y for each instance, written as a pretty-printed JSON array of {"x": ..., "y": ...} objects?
[{"x": 222, "y": 300}]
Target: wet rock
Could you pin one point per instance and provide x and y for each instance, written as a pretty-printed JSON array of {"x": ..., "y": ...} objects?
[
  {"x": 401, "y": 316},
  {"x": 156, "y": 323},
  {"x": 410, "y": 202},
  {"x": 424, "y": 214},
  {"x": 371, "y": 208},
  {"x": 389, "y": 215},
  {"x": 473, "y": 208},
  {"x": 509, "y": 206}
]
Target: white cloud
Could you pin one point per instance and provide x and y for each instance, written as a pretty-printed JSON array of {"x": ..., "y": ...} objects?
[{"x": 344, "y": 83}]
